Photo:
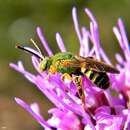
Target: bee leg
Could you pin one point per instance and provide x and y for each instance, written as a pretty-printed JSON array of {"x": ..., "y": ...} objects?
[
  {"x": 81, "y": 94},
  {"x": 66, "y": 76},
  {"x": 52, "y": 69}
]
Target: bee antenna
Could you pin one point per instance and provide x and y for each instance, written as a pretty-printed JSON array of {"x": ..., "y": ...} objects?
[
  {"x": 34, "y": 43},
  {"x": 28, "y": 51}
]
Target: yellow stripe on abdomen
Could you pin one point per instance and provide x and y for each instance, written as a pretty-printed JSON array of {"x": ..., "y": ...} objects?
[
  {"x": 89, "y": 73},
  {"x": 95, "y": 77}
]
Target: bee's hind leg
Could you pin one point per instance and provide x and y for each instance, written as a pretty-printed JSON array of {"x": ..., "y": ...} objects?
[{"x": 81, "y": 94}]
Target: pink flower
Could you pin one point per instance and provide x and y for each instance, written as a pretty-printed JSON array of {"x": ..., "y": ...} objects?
[{"x": 103, "y": 110}]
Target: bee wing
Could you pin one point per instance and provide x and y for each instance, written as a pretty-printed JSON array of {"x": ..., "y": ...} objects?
[
  {"x": 93, "y": 64},
  {"x": 89, "y": 63}
]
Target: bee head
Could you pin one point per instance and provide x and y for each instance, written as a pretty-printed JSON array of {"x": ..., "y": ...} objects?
[{"x": 44, "y": 64}]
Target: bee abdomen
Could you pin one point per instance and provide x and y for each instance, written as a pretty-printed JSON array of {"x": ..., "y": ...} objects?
[{"x": 98, "y": 78}]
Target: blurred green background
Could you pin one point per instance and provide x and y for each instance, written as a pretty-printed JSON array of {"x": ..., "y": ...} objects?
[{"x": 18, "y": 20}]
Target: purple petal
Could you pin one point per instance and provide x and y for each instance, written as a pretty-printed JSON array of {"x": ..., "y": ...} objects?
[
  {"x": 104, "y": 56},
  {"x": 60, "y": 42},
  {"x": 59, "y": 84},
  {"x": 76, "y": 24},
  {"x": 85, "y": 40},
  {"x": 18, "y": 67},
  {"x": 118, "y": 82},
  {"x": 91, "y": 16},
  {"x": 118, "y": 36},
  {"x": 21, "y": 69},
  {"x": 103, "y": 109},
  {"x": 124, "y": 36},
  {"x": 95, "y": 38},
  {"x": 94, "y": 32},
  {"x": 61, "y": 120},
  {"x": 109, "y": 97},
  {"x": 52, "y": 95},
  {"x": 42, "y": 86},
  {"x": 119, "y": 109},
  {"x": 91, "y": 53},
  {"x": 35, "y": 63},
  {"x": 43, "y": 40},
  {"x": 119, "y": 58},
  {"x": 109, "y": 122},
  {"x": 35, "y": 108},
  {"x": 127, "y": 122},
  {"x": 88, "y": 127},
  {"x": 33, "y": 113}
]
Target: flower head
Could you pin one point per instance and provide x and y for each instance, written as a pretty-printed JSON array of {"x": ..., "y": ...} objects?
[{"x": 98, "y": 109}]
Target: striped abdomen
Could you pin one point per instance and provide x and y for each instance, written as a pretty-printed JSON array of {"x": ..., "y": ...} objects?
[{"x": 98, "y": 78}]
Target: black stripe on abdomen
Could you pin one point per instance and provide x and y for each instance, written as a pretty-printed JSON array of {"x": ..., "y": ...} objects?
[
  {"x": 104, "y": 81},
  {"x": 90, "y": 74},
  {"x": 98, "y": 78}
]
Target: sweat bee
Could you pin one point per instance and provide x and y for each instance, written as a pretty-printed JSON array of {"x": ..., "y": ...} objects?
[{"x": 68, "y": 63}]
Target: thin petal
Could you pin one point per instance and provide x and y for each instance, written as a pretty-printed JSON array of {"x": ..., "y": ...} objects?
[
  {"x": 121, "y": 37},
  {"x": 95, "y": 38},
  {"x": 43, "y": 40},
  {"x": 124, "y": 35},
  {"x": 91, "y": 16},
  {"x": 60, "y": 42},
  {"x": 85, "y": 41},
  {"x": 94, "y": 32},
  {"x": 119, "y": 58},
  {"x": 35, "y": 108},
  {"x": 35, "y": 115},
  {"x": 104, "y": 56},
  {"x": 35, "y": 63},
  {"x": 76, "y": 24},
  {"x": 21, "y": 69}
]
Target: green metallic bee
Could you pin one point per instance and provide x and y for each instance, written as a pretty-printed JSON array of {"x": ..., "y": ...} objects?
[{"x": 67, "y": 64}]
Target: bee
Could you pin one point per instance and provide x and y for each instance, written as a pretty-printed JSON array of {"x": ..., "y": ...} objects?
[{"x": 69, "y": 64}]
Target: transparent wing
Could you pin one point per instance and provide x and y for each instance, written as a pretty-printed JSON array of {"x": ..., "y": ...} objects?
[{"x": 90, "y": 63}]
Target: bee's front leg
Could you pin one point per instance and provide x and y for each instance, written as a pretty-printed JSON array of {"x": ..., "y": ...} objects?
[
  {"x": 66, "y": 76},
  {"x": 52, "y": 70}
]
